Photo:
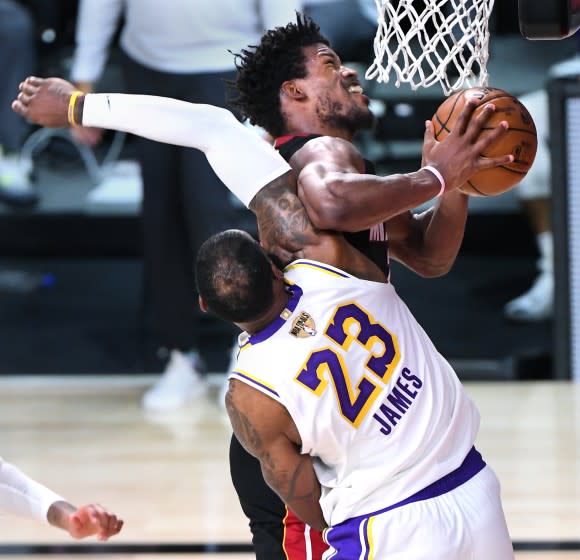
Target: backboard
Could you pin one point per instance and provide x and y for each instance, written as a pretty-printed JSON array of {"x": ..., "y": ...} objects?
[{"x": 548, "y": 19}]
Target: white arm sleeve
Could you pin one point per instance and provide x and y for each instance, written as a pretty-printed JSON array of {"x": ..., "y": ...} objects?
[
  {"x": 240, "y": 158},
  {"x": 20, "y": 495}
]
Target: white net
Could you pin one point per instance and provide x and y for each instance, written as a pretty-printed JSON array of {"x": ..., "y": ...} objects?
[{"x": 426, "y": 42}]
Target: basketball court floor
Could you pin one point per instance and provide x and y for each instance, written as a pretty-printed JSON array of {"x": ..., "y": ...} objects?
[{"x": 167, "y": 474}]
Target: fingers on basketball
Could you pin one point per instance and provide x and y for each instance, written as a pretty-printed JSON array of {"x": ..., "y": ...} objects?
[{"x": 519, "y": 140}]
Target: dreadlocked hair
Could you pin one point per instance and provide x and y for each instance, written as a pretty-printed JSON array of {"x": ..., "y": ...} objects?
[
  {"x": 263, "y": 68},
  {"x": 234, "y": 276}
]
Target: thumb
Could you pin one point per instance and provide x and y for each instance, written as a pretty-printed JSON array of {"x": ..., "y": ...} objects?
[
  {"x": 429, "y": 136},
  {"x": 428, "y": 142},
  {"x": 75, "y": 525}
]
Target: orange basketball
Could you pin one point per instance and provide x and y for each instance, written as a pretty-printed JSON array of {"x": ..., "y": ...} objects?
[{"x": 520, "y": 140}]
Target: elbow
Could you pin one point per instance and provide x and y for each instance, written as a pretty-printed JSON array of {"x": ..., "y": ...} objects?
[
  {"x": 328, "y": 210},
  {"x": 434, "y": 269},
  {"x": 328, "y": 217},
  {"x": 425, "y": 260},
  {"x": 425, "y": 264}
]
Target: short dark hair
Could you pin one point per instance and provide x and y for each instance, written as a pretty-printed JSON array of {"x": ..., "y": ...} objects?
[
  {"x": 234, "y": 276},
  {"x": 262, "y": 70}
]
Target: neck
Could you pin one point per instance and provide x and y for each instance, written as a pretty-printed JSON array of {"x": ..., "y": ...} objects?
[
  {"x": 261, "y": 322},
  {"x": 307, "y": 126}
]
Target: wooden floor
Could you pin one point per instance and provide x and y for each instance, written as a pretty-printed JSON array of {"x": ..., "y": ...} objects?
[{"x": 167, "y": 475}]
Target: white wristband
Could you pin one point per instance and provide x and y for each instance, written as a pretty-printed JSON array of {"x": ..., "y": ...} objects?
[{"x": 438, "y": 175}]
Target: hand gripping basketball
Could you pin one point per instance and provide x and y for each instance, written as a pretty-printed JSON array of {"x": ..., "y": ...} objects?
[
  {"x": 458, "y": 156},
  {"x": 520, "y": 140}
]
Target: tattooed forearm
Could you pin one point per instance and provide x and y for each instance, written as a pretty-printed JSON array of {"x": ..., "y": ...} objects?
[
  {"x": 298, "y": 484},
  {"x": 290, "y": 474},
  {"x": 245, "y": 432}
]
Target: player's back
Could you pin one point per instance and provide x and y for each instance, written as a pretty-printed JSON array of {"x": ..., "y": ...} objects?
[{"x": 374, "y": 402}]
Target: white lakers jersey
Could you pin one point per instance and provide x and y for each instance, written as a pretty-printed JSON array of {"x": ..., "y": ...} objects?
[{"x": 380, "y": 410}]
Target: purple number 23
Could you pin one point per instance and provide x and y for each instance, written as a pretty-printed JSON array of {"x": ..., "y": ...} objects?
[{"x": 352, "y": 324}]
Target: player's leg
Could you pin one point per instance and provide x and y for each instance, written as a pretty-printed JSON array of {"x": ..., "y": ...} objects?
[
  {"x": 467, "y": 522},
  {"x": 484, "y": 514}
]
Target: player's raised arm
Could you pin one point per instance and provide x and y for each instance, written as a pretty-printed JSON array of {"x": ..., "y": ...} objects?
[
  {"x": 241, "y": 159},
  {"x": 339, "y": 196}
]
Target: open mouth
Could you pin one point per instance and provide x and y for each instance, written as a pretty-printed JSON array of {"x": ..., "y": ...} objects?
[{"x": 355, "y": 89}]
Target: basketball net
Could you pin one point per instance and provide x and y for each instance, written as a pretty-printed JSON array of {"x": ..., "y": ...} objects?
[{"x": 425, "y": 42}]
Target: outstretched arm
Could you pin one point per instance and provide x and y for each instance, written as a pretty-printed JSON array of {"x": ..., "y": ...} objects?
[
  {"x": 242, "y": 160},
  {"x": 336, "y": 195},
  {"x": 23, "y": 496}
]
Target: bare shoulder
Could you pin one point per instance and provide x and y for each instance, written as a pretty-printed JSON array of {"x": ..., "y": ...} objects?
[
  {"x": 256, "y": 418},
  {"x": 331, "y": 150}
]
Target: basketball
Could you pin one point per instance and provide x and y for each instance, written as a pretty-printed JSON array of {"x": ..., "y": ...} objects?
[{"x": 520, "y": 139}]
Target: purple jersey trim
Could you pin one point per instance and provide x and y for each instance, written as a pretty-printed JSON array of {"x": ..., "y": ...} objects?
[
  {"x": 314, "y": 264},
  {"x": 254, "y": 381},
  {"x": 345, "y": 537},
  {"x": 278, "y": 322}
]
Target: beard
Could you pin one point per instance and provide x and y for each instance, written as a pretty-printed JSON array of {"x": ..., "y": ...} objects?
[{"x": 351, "y": 119}]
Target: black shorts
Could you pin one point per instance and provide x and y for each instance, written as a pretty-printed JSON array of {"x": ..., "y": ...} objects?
[{"x": 277, "y": 534}]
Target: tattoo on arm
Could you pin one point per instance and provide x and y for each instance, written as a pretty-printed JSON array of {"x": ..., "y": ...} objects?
[
  {"x": 245, "y": 432},
  {"x": 295, "y": 484},
  {"x": 285, "y": 227}
]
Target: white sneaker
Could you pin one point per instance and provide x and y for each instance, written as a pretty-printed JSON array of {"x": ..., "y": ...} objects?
[
  {"x": 537, "y": 304},
  {"x": 179, "y": 384},
  {"x": 568, "y": 68},
  {"x": 15, "y": 187}
]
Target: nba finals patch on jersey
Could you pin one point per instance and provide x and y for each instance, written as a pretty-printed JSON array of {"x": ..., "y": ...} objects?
[{"x": 303, "y": 326}]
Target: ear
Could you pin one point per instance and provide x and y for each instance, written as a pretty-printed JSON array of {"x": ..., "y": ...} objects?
[
  {"x": 292, "y": 89},
  {"x": 276, "y": 272},
  {"x": 202, "y": 304}
]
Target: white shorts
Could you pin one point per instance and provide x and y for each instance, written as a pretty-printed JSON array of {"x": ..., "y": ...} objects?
[
  {"x": 466, "y": 523},
  {"x": 537, "y": 183}
]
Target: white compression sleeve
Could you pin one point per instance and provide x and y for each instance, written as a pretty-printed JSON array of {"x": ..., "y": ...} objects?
[
  {"x": 243, "y": 161},
  {"x": 20, "y": 495}
]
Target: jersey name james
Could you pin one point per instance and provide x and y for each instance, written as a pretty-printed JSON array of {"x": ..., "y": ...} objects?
[{"x": 375, "y": 403}]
